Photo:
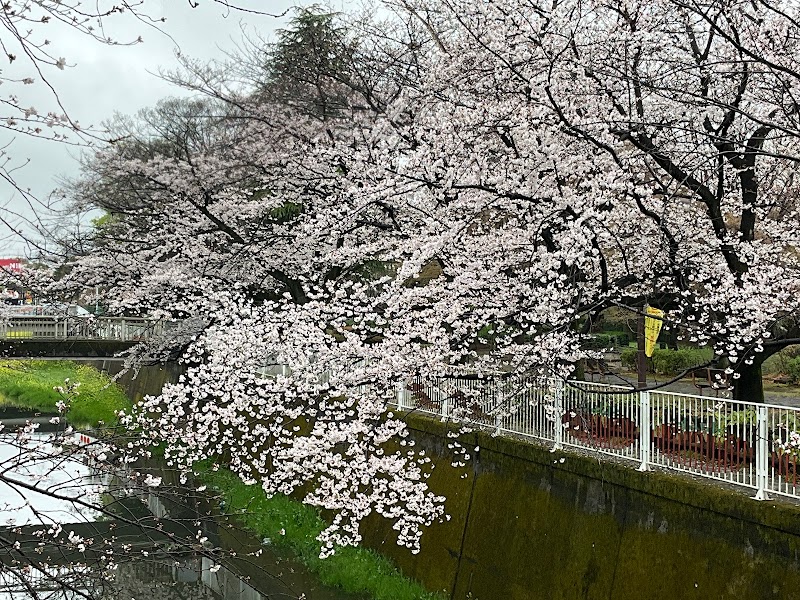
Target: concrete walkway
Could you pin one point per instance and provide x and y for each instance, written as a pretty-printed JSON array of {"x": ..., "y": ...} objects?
[{"x": 788, "y": 397}]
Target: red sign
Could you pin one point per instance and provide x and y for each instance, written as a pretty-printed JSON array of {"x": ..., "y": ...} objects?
[{"x": 10, "y": 264}]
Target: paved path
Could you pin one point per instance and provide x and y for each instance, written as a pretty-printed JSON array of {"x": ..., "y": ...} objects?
[{"x": 788, "y": 397}]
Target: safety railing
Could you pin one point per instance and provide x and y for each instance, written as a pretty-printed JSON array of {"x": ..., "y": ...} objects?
[
  {"x": 44, "y": 578},
  {"x": 122, "y": 329},
  {"x": 752, "y": 445}
]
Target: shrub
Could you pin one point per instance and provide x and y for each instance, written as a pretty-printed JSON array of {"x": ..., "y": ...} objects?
[
  {"x": 628, "y": 358},
  {"x": 793, "y": 369},
  {"x": 668, "y": 362},
  {"x": 673, "y": 362}
]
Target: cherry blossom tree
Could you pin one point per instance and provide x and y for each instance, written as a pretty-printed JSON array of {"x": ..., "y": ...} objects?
[
  {"x": 253, "y": 240},
  {"x": 493, "y": 177},
  {"x": 659, "y": 142}
]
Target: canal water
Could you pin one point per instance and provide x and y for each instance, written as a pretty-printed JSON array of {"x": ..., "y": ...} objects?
[
  {"x": 149, "y": 573},
  {"x": 35, "y": 462}
]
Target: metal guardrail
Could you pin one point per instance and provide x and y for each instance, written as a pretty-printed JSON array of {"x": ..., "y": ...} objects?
[
  {"x": 19, "y": 582},
  {"x": 751, "y": 445},
  {"x": 60, "y": 327}
]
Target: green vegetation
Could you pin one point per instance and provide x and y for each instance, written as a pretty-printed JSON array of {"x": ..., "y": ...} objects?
[
  {"x": 669, "y": 362},
  {"x": 793, "y": 370},
  {"x": 608, "y": 339},
  {"x": 784, "y": 366},
  {"x": 294, "y": 526},
  {"x": 30, "y": 385}
]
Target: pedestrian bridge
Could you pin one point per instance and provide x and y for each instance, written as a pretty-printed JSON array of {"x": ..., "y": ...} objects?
[
  {"x": 71, "y": 337},
  {"x": 65, "y": 327}
]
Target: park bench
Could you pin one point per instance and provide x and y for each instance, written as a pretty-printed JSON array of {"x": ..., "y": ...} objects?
[
  {"x": 710, "y": 379},
  {"x": 596, "y": 366}
]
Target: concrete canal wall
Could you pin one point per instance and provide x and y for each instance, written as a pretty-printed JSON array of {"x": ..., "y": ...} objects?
[
  {"x": 146, "y": 381},
  {"x": 530, "y": 524}
]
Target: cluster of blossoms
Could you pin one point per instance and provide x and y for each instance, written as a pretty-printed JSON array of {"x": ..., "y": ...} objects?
[
  {"x": 230, "y": 408},
  {"x": 790, "y": 445}
]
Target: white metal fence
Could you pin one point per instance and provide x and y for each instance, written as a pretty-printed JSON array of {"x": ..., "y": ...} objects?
[
  {"x": 121, "y": 329},
  {"x": 747, "y": 444}
]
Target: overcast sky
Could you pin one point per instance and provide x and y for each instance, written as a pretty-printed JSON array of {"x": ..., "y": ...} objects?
[{"x": 102, "y": 80}]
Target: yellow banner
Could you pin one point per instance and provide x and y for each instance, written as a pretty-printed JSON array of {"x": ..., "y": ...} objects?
[{"x": 652, "y": 327}]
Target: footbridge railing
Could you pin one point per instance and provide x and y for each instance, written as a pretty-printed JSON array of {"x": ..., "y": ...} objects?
[
  {"x": 751, "y": 445},
  {"x": 123, "y": 329}
]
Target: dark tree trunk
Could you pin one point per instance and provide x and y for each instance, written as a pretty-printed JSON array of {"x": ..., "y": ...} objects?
[{"x": 750, "y": 386}]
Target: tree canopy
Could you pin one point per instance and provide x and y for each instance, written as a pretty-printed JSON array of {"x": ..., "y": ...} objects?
[{"x": 387, "y": 196}]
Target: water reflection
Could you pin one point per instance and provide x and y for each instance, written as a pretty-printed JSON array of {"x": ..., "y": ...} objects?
[
  {"x": 134, "y": 555},
  {"x": 166, "y": 579},
  {"x": 39, "y": 465},
  {"x": 188, "y": 579}
]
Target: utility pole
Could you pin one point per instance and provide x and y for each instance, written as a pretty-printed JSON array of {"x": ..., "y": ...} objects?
[{"x": 641, "y": 359}]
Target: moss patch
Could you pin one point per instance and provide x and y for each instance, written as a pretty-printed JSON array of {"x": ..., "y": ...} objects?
[{"x": 535, "y": 526}]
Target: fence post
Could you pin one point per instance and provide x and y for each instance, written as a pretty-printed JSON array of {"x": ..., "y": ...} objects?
[
  {"x": 445, "y": 400},
  {"x": 499, "y": 402},
  {"x": 124, "y": 331},
  {"x": 558, "y": 412},
  {"x": 644, "y": 430},
  {"x": 399, "y": 396},
  {"x": 762, "y": 454}
]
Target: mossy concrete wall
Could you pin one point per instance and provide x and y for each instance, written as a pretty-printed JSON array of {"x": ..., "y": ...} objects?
[
  {"x": 146, "y": 381},
  {"x": 526, "y": 523}
]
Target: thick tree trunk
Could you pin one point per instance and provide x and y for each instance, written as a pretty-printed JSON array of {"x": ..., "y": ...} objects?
[{"x": 750, "y": 386}]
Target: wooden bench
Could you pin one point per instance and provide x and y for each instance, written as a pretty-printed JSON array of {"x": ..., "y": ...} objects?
[
  {"x": 711, "y": 379},
  {"x": 595, "y": 366}
]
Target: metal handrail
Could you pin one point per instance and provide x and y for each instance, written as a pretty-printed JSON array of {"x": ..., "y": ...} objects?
[
  {"x": 62, "y": 327},
  {"x": 755, "y": 446}
]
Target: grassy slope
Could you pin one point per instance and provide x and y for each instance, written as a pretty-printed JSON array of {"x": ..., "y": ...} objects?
[
  {"x": 29, "y": 385},
  {"x": 355, "y": 570}
]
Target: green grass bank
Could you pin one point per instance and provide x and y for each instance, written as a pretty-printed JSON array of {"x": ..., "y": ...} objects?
[
  {"x": 292, "y": 526},
  {"x": 30, "y": 385}
]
